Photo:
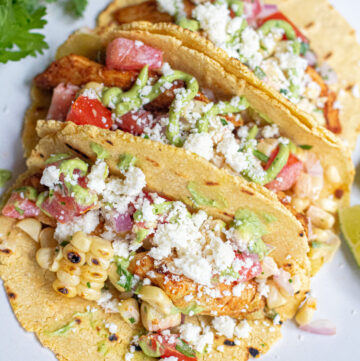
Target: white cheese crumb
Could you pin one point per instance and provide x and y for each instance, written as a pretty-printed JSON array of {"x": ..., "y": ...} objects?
[
  {"x": 201, "y": 144},
  {"x": 107, "y": 302},
  {"x": 112, "y": 327},
  {"x": 224, "y": 325},
  {"x": 242, "y": 330},
  {"x": 50, "y": 177},
  {"x": 85, "y": 223},
  {"x": 96, "y": 177}
]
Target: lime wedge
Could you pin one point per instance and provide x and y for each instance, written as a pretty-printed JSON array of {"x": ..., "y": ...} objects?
[{"x": 350, "y": 227}]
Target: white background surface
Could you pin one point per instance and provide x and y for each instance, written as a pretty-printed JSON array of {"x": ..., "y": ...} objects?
[{"x": 337, "y": 287}]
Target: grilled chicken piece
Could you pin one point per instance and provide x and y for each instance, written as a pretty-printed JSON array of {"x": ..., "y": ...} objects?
[
  {"x": 248, "y": 304},
  {"x": 147, "y": 11},
  {"x": 79, "y": 70},
  {"x": 331, "y": 114}
]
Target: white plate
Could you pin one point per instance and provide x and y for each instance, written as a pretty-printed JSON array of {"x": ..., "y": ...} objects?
[{"x": 337, "y": 287}]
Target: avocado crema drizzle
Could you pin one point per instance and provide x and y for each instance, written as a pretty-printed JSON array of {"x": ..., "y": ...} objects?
[{"x": 134, "y": 98}]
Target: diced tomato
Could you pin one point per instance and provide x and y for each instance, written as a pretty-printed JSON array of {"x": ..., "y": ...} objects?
[
  {"x": 280, "y": 16},
  {"x": 62, "y": 208},
  {"x": 159, "y": 345},
  {"x": 287, "y": 176},
  {"x": 251, "y": 266},
  {"x": 135, "y": 122},
  {"x": 19, "y": 207},
  {"x": 125, "y": 54},
  {"x": 63, "y": 96},
  {"x": 90, "y": 111}
]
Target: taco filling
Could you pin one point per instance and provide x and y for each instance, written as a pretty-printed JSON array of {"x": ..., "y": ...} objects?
[
  {"x": 262, "y": 38},
  {"x": 109, "y": 239},
  {"x": 137, "y": 92}
]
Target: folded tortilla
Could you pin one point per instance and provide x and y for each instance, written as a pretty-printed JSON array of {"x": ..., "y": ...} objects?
[
  {"x": 71, "y": 328},
  {"x": 322, "y": 25}
]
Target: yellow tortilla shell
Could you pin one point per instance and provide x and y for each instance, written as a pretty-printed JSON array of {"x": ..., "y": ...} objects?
[
  {"x": 42, "y": 311},
  {"x": 331, "y": 37},
  {"x": 185, "y": 50}
]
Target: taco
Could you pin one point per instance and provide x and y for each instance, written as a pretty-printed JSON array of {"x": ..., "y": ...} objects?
[
  {"x": 110, "y": 250},
  {"x": 287, "y": 45},
  {"x": 234, "y": 126}
]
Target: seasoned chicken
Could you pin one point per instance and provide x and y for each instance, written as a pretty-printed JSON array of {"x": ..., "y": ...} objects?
[
  {"x": 147, "y": 11},
  {"x": 248, "y": 304},
  {"x": 331, "y": 114}
]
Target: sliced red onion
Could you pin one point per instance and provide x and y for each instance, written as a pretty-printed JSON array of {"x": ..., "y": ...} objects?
[
  {"x": 328, "y": 74},
  {"x": 283, "y": 281},
  {"x": 123, "y": 222},
  {"x": 320, "y": 327},
  {"x": 267, "y": 10},
  {"x": 310, "y": 58}
]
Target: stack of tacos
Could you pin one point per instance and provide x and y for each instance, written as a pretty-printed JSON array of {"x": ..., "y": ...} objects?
[{"x": 174, "y": 206}]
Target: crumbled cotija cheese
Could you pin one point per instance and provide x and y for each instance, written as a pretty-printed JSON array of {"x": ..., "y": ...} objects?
[{"x": 224, "y": 325}]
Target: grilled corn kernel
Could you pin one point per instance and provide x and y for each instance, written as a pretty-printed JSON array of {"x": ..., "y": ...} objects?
[
  {"x": 319, "y": 235},
  {"x": 300, "y": 204},
  {"x": 64, "y": 290},
  {"x": 74, "y": 255},
  {"x": 46, "y": 237},
  {"x": 81, "y": 241},
  {"x": 101, "y": 248},
  {"x": 306, "y": 312},
  {"x": 92, "y": 284},
  {"x": 275, "y": 298},
  {"x": 70, "y": 268},
  {"x": 129, "y": 311},
  {"x": 154, "y": 320},
  {"x": 45, "y": 257},
  {"x": 90, "y": 294},
  {"x": 327, "y": 205},
  {"x": 156, "y": 298},
  {"x": 56, "y": 260},
  {"x": 30, "y": 226},
  {"x": 320, "y": 218},
  {"x": 114, "y": 277},
  {"x": 332, "y": 175},
  {"x": 97, "y": 262},
  {"x": 68, "y": 279},
  {"x": 93, "y": 274}
]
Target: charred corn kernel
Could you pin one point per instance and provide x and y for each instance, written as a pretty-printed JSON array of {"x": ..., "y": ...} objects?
[
  {"x": 90, "y": 294},
  {"x": 300, "y": 204},
  {"x": 74, "y": 255},
  {"x": 6, "y": 224},
  {"x": 92, "y": 284},
  {"x": 306, "y": 312},
  {"x": 332, "y": 175},
  {"x": 153, "y": 320},
  {"x": 156, "y": 298},
  {"x": 97, "y": 262},
  {"x": 327, "y": 205},
  {"x": 31, "y": 227},
  {"x": 70, "y": 268},
  {"x": 81, "y": 241},
  {"x": 64, "y": 290},
  {"x": 129, "y": 311},
  {"x": 68, "y": 279},
  {"x": 55, "y": 266},
  {"x": 45, "y": 257},
  {"x": 319, "y": 235},
  {"x": 92, "y": 274},
  {"x": 320, "y": 218},
  {"x": 114, "y": 277},
  {"x": 101, "y": 248},
  {"x": 275, "y": 298},
  {"x": 46, "y": 237}
]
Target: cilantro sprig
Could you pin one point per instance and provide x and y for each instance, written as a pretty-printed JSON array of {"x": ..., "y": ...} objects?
[{"x": 19, "y": 20}]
